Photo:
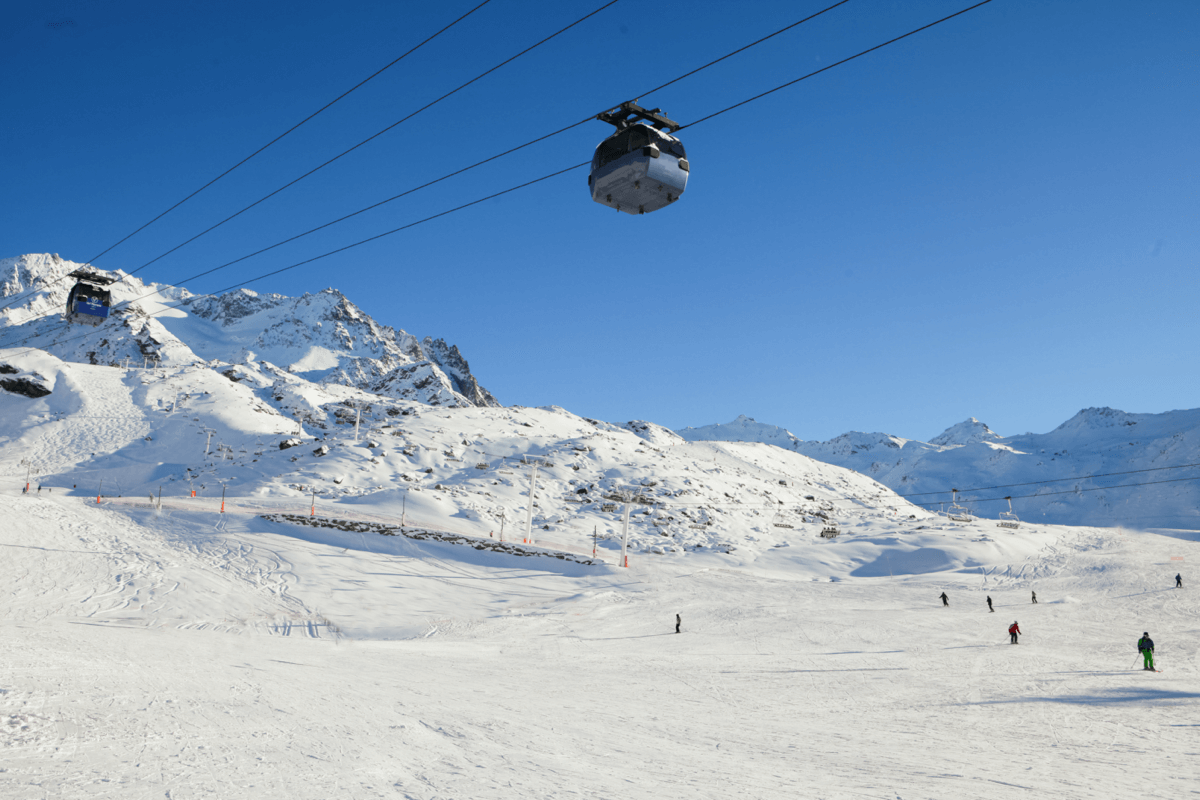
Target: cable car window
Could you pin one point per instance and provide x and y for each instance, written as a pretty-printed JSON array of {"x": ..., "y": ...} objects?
[
  {"x": 612, "y": 148},
  {"x": 675, "y": 148},
  {"x": 638, "y": 138}
]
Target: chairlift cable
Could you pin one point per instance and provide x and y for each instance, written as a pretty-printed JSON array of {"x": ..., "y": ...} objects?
[
  {"x": 1067, "y": 491},
  {"x": 358, "y": 85},
  {"x": 1051, "y": 480}
]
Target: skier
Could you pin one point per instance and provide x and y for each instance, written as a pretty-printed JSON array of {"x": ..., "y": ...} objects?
[
  {"x": 1014, "y": 632},
  {"x": 678, "y": 622},
  {"x": 945, "y": 600},
  {"x": 1178, "y": 581},
  {"x": 1034, "y": 598},
  {"x": 990, "y": 605},
  {"x": 1145, "y": 646}
]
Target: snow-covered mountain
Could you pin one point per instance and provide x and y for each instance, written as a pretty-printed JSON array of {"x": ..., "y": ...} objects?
[
  {"x": 320, "y": 338},
  {"x": 263, "y": 433},
  {"x": 1060, "y": 477}
]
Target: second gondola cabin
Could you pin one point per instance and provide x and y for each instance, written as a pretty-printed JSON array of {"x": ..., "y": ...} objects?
[
  {"x": 89, "y": 299},
  {"x": 642, "y": 167}
]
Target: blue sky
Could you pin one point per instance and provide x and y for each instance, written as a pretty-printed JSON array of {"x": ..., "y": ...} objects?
[{"x": 995, "y": 218}]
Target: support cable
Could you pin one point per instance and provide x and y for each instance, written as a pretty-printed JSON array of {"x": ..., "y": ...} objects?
[
  {"x": 544, "y": 177},
  {"x": 464, "y": 169},
  {"x": 375, "y": 136},
  {"x": 276, "y": 139},
  {"x": 1049, "y": 480}
]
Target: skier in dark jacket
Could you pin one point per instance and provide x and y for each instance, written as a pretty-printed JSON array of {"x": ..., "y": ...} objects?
[
  {"x": 678, "y": 622},
  {"x": 1178, "y": 581},
  {"x": 1034, "y": 597},
  {"x": 1145, "y": 646},
  {"x": 990, "y": 605},
  {"x": 945, "y": 600},
  {"x": 1014, "y": 632}
]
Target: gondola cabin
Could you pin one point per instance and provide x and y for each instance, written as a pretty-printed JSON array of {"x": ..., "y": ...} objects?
[
  {"x": 89, "y": 299},
  {"x": 640, "y": 168}
]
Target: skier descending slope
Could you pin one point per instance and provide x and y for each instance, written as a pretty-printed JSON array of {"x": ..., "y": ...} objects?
[
  {"x": 990, "y": 604},
  {"x": 1145, "y": 646},
  {"x": 1014, "y": 632},
  {"x": 1178, "y": 581},
  {"x": 945, "y": 600}
]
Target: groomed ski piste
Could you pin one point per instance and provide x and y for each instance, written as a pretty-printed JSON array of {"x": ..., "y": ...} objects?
[{"x": 350, "y": 626}]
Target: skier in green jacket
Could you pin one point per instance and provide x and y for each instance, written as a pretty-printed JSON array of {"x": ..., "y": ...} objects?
[{"x": 1145, "y": 646}]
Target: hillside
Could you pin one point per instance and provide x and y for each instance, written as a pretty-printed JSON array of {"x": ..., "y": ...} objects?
[
  {"x": 195, "y": 654},
  {"x": 301, "y": 555},
  {"x": 275, "y": 437}
]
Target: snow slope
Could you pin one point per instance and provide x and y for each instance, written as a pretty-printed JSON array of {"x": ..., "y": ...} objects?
[
  {"x": 163, "y": 645},
  {"x": 1047, "y": 475},
  {"x": 192, "y": 655}
]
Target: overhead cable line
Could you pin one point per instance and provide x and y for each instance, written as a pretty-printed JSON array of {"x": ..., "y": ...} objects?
[
  {"x": 831, "y": 66},
  {"x": 317, "y": 258},
  {"x": 376, "y": 135},
  {"x": 1050, "y": 480},
  {"x": 1065, "y": 491},
  {"x": 541, "y": 138},
  {"x": 479, "y": 163},
  {"x": 527, "y": 183},
  {"x": 277, "y": 138}
]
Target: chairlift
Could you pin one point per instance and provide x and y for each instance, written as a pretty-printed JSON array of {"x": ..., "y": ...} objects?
[
  {"x": 481, "y": 465},
  {"x": 1007, "y": 518},
  {"x": 89, "y": 299},
  {"x": 829, "y": 532},
  {"x": 956, "y": 512},
  {"x": 641, "y": 167},
  {"x": 780, "y": 521},
  {"x": 608, "y": 507}
]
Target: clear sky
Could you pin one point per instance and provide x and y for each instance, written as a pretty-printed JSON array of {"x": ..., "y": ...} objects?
[{"x": 996, "y": 217}]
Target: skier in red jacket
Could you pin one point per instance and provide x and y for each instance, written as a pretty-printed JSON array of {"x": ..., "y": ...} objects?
[{"x": 1014, "y": 632}]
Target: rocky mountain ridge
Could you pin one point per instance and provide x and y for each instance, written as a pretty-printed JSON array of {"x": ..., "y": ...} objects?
[{"x": 321, "y": 338}]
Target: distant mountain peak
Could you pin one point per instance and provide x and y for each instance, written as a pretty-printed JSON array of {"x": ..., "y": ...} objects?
[
  {"x": 742, "y": 429},
  {"x": 1093, "y": 418},
  {"x": 969, "y": 431}
]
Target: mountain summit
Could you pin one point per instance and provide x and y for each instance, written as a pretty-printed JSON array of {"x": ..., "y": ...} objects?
[
  {"x": 321, "y": 338},
  {"x": 970, "y": 431}
]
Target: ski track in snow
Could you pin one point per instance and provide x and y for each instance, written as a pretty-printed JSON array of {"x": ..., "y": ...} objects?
[{"x": 160, "y": 656}]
